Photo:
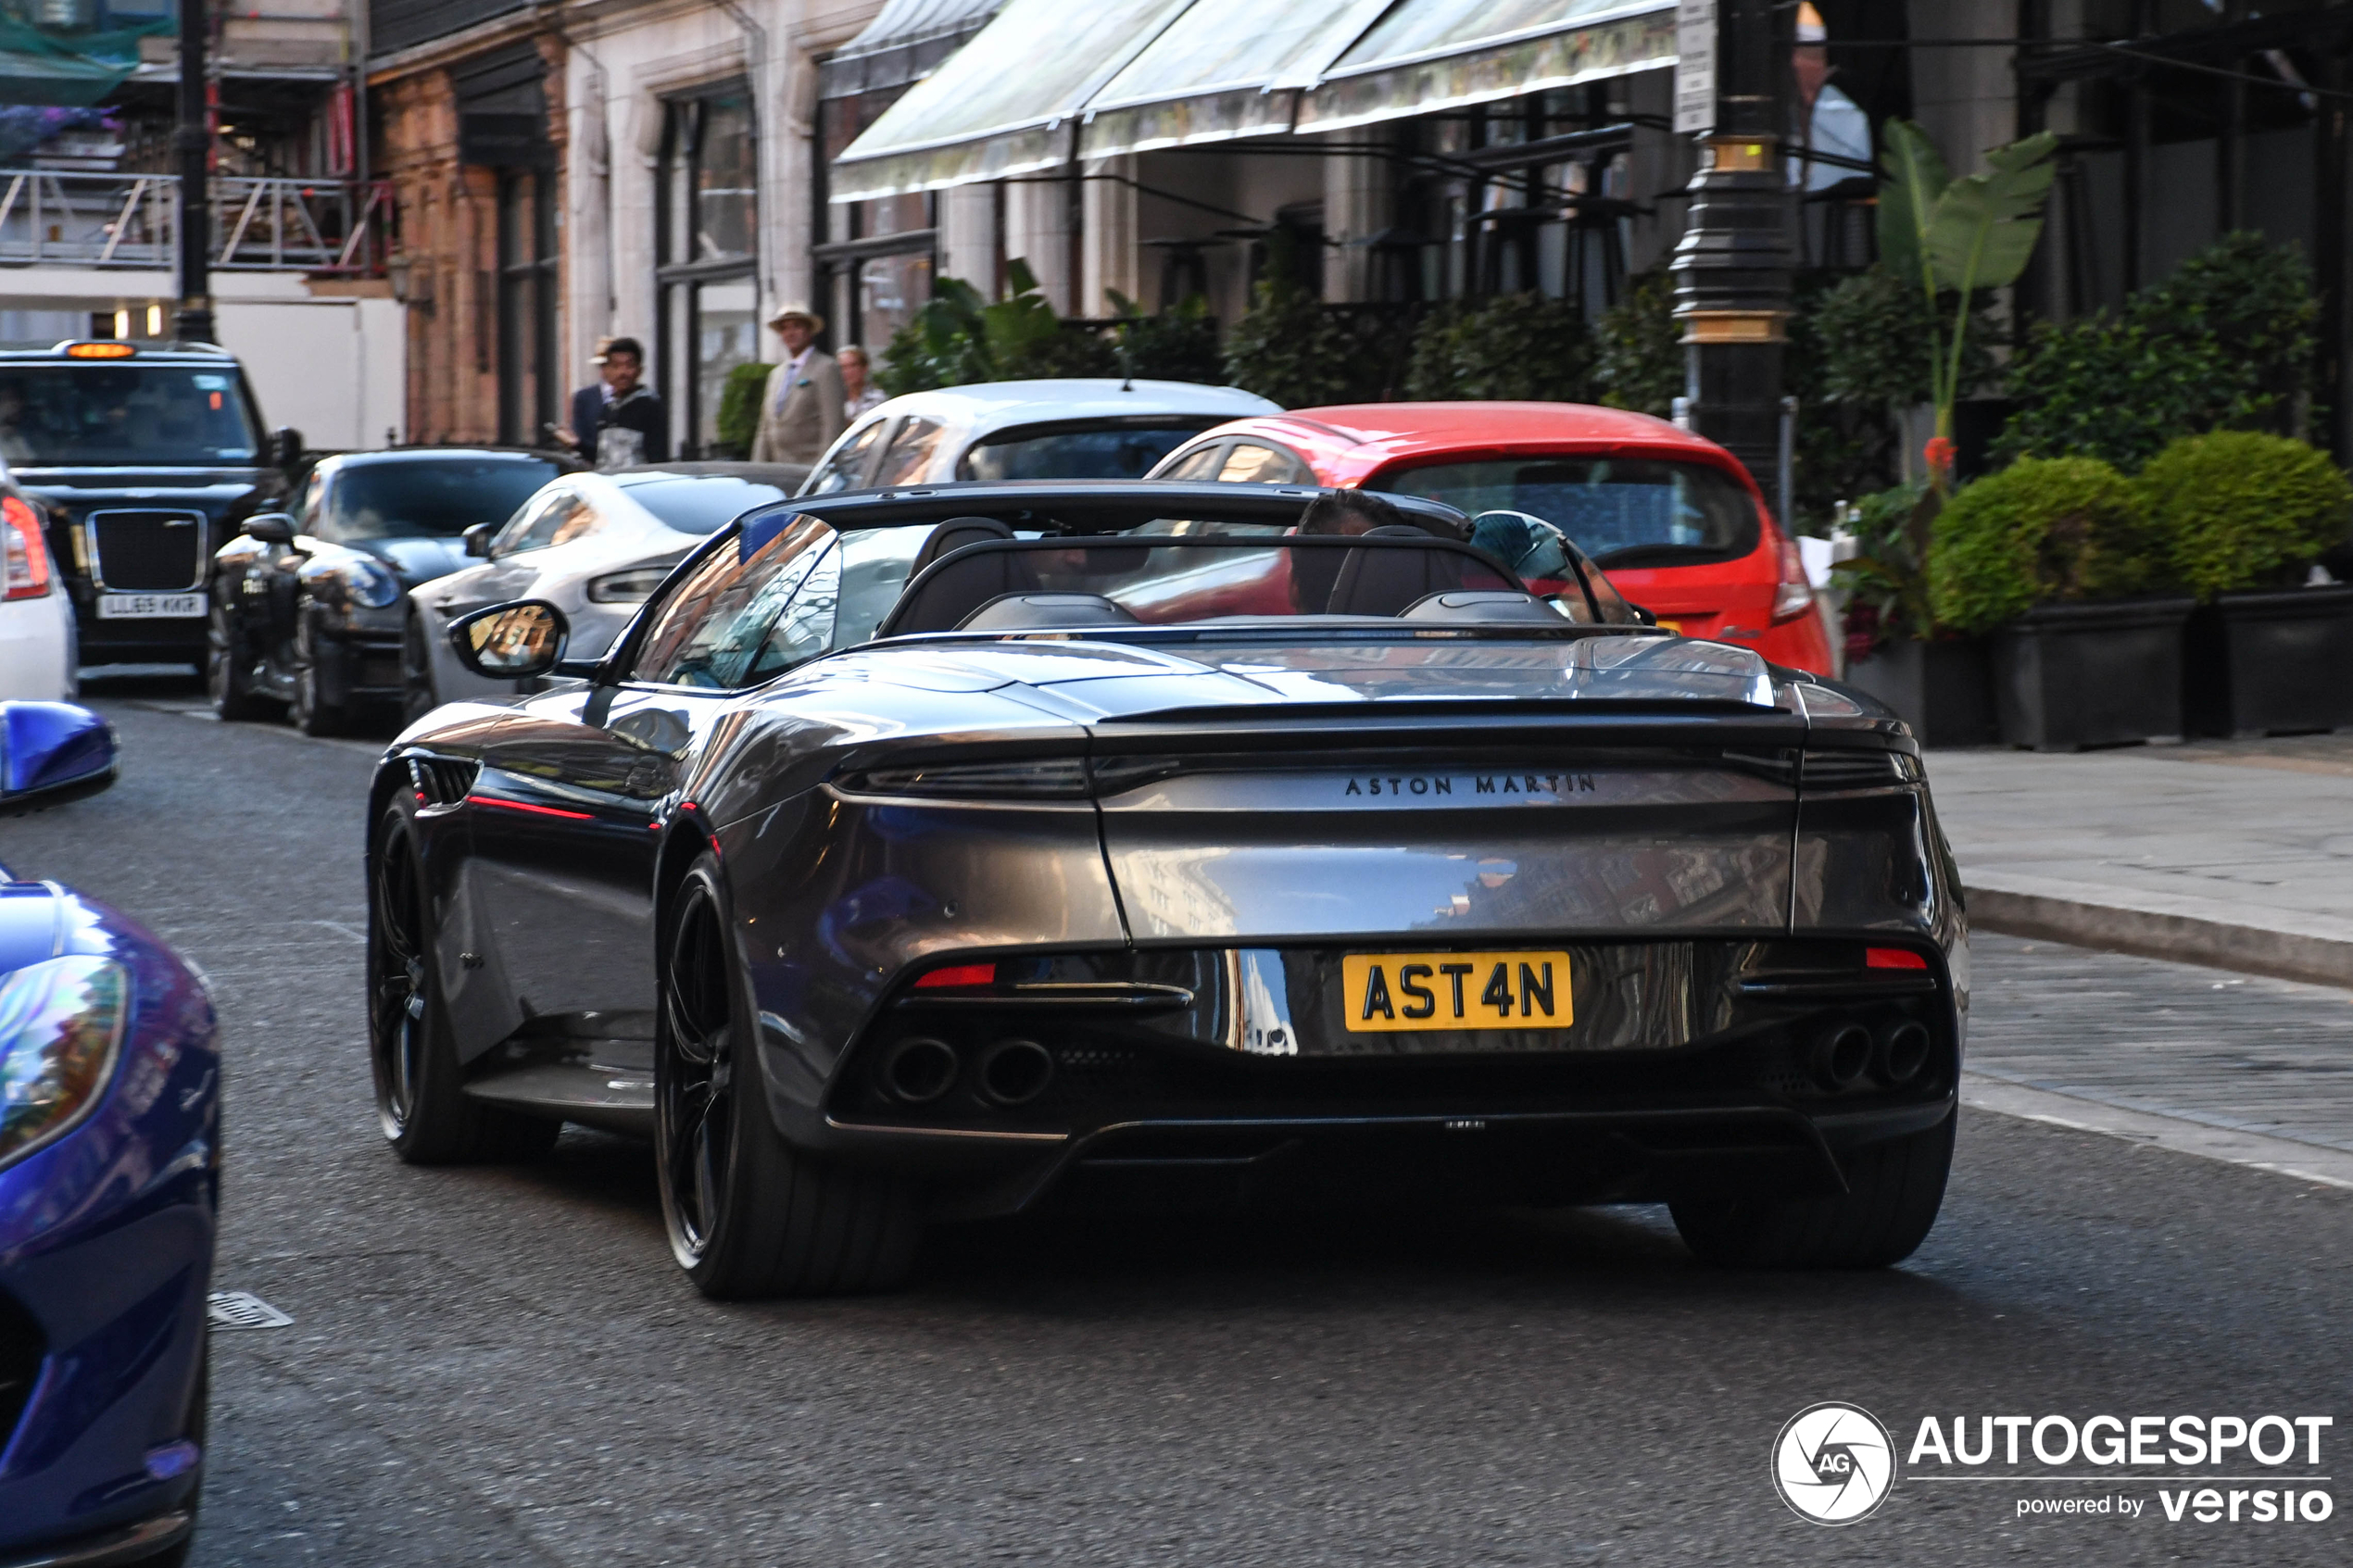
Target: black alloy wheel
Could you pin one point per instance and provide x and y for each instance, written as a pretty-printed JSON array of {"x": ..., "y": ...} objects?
[
  {"x": 418, "y": 697},
  {"x": 420, "y": 1098},
  {"x": 311, "y": 714},
  {"x": 228, "y": 672},
  {"x": 748, "y": 1214}
]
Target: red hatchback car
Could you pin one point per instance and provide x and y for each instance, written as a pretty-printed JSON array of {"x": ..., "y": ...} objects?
[{"x": 1673, "y": 518}]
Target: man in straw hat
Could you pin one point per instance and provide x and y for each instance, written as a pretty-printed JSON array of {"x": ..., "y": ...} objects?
[{"x": 800, "y": 410}]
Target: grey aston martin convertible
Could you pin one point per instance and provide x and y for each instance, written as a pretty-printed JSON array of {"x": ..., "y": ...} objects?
[{"x": 940, "y": 853}]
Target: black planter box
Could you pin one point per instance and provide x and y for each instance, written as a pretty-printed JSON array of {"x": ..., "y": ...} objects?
[
  {"x": 2071, "y": 676},
  {"x": 2270, "y": 663},
  {"x": 1943, "y": 690}
]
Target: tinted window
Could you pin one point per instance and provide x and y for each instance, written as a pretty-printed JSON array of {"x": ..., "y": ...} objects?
[
  {"x": 405, "y": 497},
  {"x": 1105, "y": 451},
  {"x": 1199, "y": 463},
  {"x": 1250, "y": 463},
  {"x": 909, "y": 454},
  {"x": 555, "y": 517},
  {"x": 99, "y": 413},
  {"x": 707, "y": 630},
  {"x": 701, "y": 504},
  {"x": 847, "y": 467},
  {"x": 1621, "y": 511}
]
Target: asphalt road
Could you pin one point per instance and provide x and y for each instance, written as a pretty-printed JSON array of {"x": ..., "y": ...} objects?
[{"x": 503, "y": 1365}]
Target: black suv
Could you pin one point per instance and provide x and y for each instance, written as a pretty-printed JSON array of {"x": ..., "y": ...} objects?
[{"x": 146, "y": 458}]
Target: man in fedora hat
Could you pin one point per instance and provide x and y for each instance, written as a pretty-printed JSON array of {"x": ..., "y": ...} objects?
[{"x": 800, "y": 410}]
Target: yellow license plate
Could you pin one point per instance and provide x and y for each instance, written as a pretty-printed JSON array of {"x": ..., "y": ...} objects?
[{"x": 1393, "y": 992}]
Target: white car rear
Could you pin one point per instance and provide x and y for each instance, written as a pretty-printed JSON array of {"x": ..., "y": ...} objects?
[
  {"x": 1080, "y": 428},
  {"x": 592, "y": 545},
  {"x": 37, "y": 660}
]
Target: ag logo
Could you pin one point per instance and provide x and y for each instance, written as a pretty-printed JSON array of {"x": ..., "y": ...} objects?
[{"x": 1834, "y": 1463}]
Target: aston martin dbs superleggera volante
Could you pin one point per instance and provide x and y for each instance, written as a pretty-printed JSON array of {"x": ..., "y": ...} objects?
[{"x": 936, "y": 853}]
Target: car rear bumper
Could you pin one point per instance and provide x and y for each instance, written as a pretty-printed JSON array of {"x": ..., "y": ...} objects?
[
  {"x": 122, "y": 1545},
  {"x": 36, "y": 648},
  {"x": 1621, "y": 1154}
]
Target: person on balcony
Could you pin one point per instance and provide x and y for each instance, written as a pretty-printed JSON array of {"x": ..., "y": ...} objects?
[{"x": 801, "y": 408}]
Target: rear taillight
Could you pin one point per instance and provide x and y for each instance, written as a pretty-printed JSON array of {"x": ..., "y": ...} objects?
[
  {"x": 1045, "y": 778},
  {"x": 1794, "y": 595},
  {"x": 27, "y": 572}
]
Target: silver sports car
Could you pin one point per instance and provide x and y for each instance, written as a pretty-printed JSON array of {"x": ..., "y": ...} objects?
[{"x": 937, "y": 853}]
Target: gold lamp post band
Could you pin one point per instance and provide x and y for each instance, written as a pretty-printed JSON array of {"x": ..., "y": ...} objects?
[{"x": 1734, "y": 326}]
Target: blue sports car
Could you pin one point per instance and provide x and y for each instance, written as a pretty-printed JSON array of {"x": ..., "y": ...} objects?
[{"x": 110, "y": 1130}]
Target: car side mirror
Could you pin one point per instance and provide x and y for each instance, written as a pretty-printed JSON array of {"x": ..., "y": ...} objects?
[
  {"x": 512, "y": 642},
  {"x": 285, "y": 446},
  {"x": 478, "y": 539},
  {"x": 50, "y": 752},
  {"x": 270, "y": 528}
]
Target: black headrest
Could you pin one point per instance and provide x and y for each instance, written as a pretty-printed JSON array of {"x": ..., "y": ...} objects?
[
  {"x": 941, "y": 602},
  {"x": 1385, "y": 580},
  {"x": 1490, "y": 605},
  {"x": 954, "y": 534},
  {"x": 1032, "y": 612}
]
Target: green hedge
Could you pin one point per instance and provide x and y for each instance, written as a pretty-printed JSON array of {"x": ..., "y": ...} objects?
[
  {"x": 1520, "y": 347},
  {"x": 2224, "y": 343},
  {"x": 2043, "y": 530},
  {"x": 2243, "y": 510},
  {"x": 738, "y": 420}
]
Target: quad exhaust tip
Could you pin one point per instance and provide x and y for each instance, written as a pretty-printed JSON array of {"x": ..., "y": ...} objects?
[
  {"x": 919, "y": 1070},
  {"x": 1844, "y": 1055},
  {"x": 1903, "y": 1053},
  {"x": 1014, "y": 1072}
]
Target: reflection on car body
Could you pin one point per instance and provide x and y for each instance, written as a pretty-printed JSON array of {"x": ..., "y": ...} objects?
[{"x": 928, "y": 856}]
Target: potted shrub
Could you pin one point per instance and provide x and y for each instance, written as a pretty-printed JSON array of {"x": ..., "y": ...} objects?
[
  {"x": 1934, "y": 679},
  {"x": 2054, "y": 558},
  {"x": 2244, "y": 515}
]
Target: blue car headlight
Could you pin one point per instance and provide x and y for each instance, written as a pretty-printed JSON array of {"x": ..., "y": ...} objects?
[{"x": 61, "y": 1023}]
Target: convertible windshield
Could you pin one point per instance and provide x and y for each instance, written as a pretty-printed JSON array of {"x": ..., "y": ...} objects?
[
  {"x": 167, "y": 416},
  {"x": 1113, "y": 449},
  {"x": 1621, "y": 511},
  {"x": 426, "y": 497}
]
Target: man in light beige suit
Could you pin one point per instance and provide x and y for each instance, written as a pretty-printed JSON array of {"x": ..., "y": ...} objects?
[{"x": 800, "y": 410}]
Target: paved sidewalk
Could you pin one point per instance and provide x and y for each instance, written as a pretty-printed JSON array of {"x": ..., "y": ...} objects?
[{"x": 2235, "y": 854}]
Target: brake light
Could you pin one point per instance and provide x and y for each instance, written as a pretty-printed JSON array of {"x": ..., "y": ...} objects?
[
  {"x": 1893, "y": 957},
  {"x": 1794, "y": 595},
  {"x": 959, "y": 975},
  {"x": 27, "y": 572}
]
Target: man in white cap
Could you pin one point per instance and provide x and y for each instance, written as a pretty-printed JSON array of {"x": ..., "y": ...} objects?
[
  {"x": 800, "y": 410},
  {"x": 1834, "y": 122}
]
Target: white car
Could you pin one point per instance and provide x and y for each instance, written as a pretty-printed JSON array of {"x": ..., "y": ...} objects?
[
  {"x": 1074, "y": 429},
  {"x": 594, "y": 545},
  {"x": 37, "y": 660}
]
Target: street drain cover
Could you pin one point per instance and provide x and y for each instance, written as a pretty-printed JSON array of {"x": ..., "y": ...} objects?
[{"x": 241, "y": 1309}]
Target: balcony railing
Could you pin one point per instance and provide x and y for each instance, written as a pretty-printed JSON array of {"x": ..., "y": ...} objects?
[{"x": 55, "y": 219}]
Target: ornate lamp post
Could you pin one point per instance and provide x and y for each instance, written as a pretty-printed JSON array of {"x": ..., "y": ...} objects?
[
  {"x": 1731, "y": 271},
  {"x": 193, "y": 141}
]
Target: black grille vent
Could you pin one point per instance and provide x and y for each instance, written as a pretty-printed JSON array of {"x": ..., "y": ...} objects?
[
  {"x": 20, "y": 1353},
  {"x": 1857, "y": 770},
  {"x": 441, "y": 780},
  {"x": 149, "y": 552}
]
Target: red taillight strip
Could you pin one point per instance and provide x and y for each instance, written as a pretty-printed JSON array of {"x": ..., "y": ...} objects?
[
  {"x": 535, "y": 811},
  {"x": 1893, "y": 957},
  {"x": 959, "y": 975}
]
